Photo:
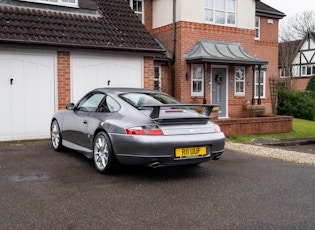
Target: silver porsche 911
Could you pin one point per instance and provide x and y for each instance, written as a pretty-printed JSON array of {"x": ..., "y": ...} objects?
[{"x": 137, "y": 127}]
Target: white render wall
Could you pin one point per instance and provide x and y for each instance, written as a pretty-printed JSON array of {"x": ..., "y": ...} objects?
[
  {"x": 193, "y": 11},
  {"x": 305, "y": 58},
  {"x": 308, "y": 54}
]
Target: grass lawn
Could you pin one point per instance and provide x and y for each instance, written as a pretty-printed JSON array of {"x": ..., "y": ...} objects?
[{"x": 301, "y": 129}]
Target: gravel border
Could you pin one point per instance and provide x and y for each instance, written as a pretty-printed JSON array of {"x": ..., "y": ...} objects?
[{"x": 277, "y": 153}]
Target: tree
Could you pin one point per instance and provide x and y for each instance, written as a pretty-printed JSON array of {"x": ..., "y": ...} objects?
[
  {"x": 296, "y": 27},
  {"x": 287, "y": 51}
]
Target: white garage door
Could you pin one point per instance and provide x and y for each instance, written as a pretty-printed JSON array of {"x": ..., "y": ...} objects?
[
  {"x": 89, "y": 72},
  {"x": 26, "y": 95}
]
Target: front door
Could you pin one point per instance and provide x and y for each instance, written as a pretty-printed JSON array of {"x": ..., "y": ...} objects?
[{"x": 219, "y": 90}]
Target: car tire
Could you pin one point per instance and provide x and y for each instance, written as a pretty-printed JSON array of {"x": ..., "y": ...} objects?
[
  {"x": 55, "y": 136},
  {"x": 103, "y": 155}
]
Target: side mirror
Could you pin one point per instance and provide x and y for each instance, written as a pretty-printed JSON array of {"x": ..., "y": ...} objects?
[{"x": 70, "y": 106}]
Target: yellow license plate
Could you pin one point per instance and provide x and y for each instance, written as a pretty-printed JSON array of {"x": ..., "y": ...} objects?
[{"x": 190, "y": 152}]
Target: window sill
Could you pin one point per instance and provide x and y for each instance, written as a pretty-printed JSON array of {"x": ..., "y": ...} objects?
[{"x": 197, "y": 95}]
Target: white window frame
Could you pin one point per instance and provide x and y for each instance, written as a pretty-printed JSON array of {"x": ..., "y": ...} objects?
[
  {"x": 307, "y": 70},
  {"x": 58, "y": 3},
  {"x": 263, "y": 83},
  {"x": 257, "y": 28},
  {"x": 303, "y": 71},
  {"x": 140, "y": 14},
  {"x": 213, "y": 11},
  {"x": 239, "y": 70},
  {"x": 158, "y": 79},
  {"x": 193, "y": 79}
]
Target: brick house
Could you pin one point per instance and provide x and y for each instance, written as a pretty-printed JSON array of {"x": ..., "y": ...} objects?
[
  {"x": 217, "y": 50},
  {"x": 298, "y": 57},
  {"x": 52, "y": 52}
]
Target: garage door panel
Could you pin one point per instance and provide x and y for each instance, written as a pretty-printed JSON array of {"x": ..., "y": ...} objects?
[
  {"x": 32, "y": 95},
  {"x": 45, "y": 97},
  {"x": 90, "y": 77},
  {"x": 104, "y": 72},
  {"x": 4, "y": 98},
  {"x": 18, "y": 92}
]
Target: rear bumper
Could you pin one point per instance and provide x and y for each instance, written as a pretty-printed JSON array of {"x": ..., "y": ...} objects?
[{"x": 145, "y": 150}]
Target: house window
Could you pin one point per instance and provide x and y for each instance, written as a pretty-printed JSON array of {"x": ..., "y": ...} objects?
[
  {"x": 197, "y": 80},
  {"x": 157, "y": 78},
  {"x": 239, "y": 81},
  {"x": 262, "y": 84},
  {"x": 138, "y": 8},
  {"x": 71, "y": 3},
  {"x": 257, "y": 28},
  {"x": 308, "y": 70},
  {"x": 303, "y": 71},
  {"x": 221, "y": 12},
  {"x": 282, "y": 73}
]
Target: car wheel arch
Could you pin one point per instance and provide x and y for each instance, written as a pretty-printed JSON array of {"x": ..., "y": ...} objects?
[
  {"x": 113, "y": 162},
  {"x": 97, "y": 131}
]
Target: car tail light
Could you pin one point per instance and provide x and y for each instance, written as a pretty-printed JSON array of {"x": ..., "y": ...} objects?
[
  {"x": 145, "y": 130},
  {"x": 216, "y": 128}
]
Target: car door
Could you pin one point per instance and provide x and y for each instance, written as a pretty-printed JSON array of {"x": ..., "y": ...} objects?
[{"x": 75, "y": 122}]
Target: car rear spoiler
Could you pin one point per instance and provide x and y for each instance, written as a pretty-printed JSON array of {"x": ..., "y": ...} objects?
[{"x": 156, "y": 108}]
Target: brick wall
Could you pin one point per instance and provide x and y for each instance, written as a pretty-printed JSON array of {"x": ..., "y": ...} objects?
[
  {"x": 148, "y": 73},
  {"x": 64, "y": 88},
  {"x": 299, "y": 83},
  {"x": 166, "y": 77},
  {"x": 148, "y": 15},
  {"x": 256, "y": 125}
]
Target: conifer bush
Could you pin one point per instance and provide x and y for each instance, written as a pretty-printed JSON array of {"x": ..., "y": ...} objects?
[
  {"x": 297, "y": 104},
  {"x": 311, "y": 84}
]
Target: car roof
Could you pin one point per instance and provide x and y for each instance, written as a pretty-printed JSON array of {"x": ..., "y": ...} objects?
[{"x": 119, "y": 90}]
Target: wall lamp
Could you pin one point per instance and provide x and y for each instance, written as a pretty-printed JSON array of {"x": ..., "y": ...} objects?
[{"x": 187, "y": 76}]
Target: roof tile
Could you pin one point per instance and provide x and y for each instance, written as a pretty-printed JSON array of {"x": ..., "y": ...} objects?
[{"x": 114, "y": 27}]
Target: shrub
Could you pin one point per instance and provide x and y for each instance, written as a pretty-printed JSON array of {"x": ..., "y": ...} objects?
[
  {"x": 296, "y": 104},
  {"x": 311, "y": 84}
]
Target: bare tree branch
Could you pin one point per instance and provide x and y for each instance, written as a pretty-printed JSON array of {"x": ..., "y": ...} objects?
[{"x": 296, "y": 27}]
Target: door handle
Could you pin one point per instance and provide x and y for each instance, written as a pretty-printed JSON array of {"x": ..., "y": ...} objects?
[
  {"x": 85, "y": 122},
  {"x": 11, "y": 81}
]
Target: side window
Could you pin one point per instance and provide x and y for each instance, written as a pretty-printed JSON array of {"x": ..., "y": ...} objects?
[
  {"x": 260, "y": 87},
  {"x": 69, "y": 3},
  {"x": 90, "y": 102},
  {"x": 197, "y": 80},
  {"x": 138, "y": 8},
  {"x": 109, "y": 105},
  {"x": 257, "y": 28},
  {"x": 157, "y": 77},
  {"x": 239, "y": 81}
]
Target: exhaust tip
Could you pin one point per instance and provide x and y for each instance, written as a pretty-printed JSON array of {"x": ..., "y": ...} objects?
[{"x": 154, "y": 164}]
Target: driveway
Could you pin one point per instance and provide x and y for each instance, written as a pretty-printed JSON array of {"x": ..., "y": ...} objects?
[{"x": 43, "y": 189}]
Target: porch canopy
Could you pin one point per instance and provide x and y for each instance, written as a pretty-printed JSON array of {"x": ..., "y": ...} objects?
[
  {"x": 218, "y": 52},
  {"x": 227, "y": 53}
]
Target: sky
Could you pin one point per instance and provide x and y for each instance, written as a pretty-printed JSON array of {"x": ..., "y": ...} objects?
[{"x": 291, "y": 7}]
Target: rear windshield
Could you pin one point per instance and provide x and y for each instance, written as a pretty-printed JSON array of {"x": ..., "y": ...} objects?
[{"x": 141, "y": 99}]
